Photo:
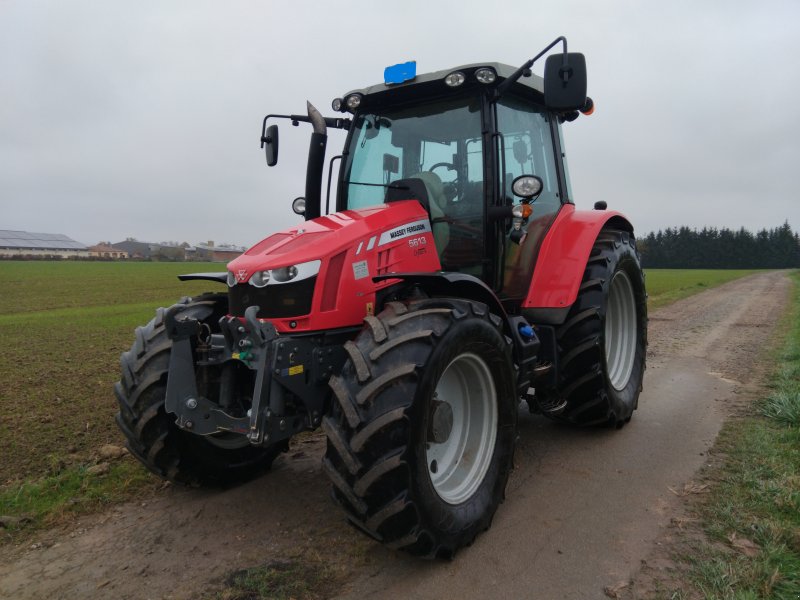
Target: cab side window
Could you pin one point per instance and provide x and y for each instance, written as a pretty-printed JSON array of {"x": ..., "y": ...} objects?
[{"x": 526, "y": 148}]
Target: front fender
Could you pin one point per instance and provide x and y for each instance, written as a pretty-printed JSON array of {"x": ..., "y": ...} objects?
[
  {"x": 452, "y": 285},
  {"x": 563, "y": 256},
  {"x": 218, "y": 277}
]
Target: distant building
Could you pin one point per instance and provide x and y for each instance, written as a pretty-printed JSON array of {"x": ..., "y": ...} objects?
[
  {"x": 106, "y": 250},
  {"x": 168, "y": 252},
  {"x": 151, "y": 251},
  {"x": 24, "y": 244},
  {"x": 210, "y": 253},
  {"x": 135, "y": 248}
]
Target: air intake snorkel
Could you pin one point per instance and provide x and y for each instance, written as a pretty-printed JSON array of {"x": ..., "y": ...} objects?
[{"x": 316, "y": 163}]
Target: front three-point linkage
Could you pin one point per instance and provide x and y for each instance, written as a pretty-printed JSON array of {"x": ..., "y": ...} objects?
[{"x": 250, "y": 343}]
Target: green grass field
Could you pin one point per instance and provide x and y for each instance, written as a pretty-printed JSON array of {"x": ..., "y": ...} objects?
[{"x": 63, "y": 327}]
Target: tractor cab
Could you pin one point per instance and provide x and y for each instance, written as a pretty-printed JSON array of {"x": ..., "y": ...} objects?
[{"x": 449, "y": 140}]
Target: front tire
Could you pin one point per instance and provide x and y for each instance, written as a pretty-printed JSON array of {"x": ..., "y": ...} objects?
[
  {"x": 602, "y": 343},
  {"x": 151, "y": 433},
  {"x": 421, "y": 436}
]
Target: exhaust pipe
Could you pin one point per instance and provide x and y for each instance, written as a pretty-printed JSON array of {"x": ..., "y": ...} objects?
[{"x": 316, "y": 163}]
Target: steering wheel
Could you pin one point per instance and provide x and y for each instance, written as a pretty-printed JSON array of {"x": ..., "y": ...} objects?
[
  {"x": 451, "y": 189},
  {"x": 450, "y": 166}
]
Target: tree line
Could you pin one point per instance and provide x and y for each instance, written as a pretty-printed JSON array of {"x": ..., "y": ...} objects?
[{"x": 712, "y": 248}]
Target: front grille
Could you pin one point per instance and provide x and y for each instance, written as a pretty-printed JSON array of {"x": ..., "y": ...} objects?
[{"x": 274, "y": 301}]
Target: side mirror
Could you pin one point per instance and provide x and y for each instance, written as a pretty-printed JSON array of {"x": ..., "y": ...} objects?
[
  {"x": 520, "y": 151},
  {"x": 565, "y": 81},
  {"x": 271, "y": 145}
]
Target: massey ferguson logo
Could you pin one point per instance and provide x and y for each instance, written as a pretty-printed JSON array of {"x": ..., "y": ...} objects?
[
  {"x": 241, "y": 275},
  {"x": 404, "y": 231}
]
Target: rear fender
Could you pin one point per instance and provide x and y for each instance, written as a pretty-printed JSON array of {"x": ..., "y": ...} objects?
[{"x": 562, "y": 260}]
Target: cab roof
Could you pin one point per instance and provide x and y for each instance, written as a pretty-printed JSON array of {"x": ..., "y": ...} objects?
[{"x": 429, "y": 82}]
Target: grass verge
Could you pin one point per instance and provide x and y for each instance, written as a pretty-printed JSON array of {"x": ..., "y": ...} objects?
[
  {"x": 300, "y": 577},
  {"x": 751, "y": 518},
  {"x": 665, "y": 286},
  {"x": 72, "y": 491},
  {"x": 305, "y": 572}
]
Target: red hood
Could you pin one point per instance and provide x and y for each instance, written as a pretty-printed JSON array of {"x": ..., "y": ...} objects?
[{"x": 322, "y": 237}]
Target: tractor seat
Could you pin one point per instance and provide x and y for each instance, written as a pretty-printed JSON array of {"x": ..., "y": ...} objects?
[{"x": 437, "y": 201}]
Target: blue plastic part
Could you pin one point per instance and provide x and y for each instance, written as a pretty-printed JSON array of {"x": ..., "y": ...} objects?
[
  {"x": 399, "y": 73},
  {"x": 526, "y": 331}
]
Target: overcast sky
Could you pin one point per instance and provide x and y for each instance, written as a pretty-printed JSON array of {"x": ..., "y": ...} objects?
[{"x": 142, "y": 119}]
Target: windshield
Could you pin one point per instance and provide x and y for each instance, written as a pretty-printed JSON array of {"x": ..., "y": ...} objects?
[{"x": 441, "y": 138}]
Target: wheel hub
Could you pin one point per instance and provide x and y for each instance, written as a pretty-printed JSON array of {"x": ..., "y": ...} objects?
[{"x": 441, "y": 423}]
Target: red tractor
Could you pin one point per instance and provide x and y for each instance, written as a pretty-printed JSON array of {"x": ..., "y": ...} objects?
[{"x": 454, "y": 279}]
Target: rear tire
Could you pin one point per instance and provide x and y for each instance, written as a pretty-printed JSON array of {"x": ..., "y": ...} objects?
[
  {"x": 602, "y": 343},
  {"x": 151, "y": 433},
  {"x": 422, "y": 431}
]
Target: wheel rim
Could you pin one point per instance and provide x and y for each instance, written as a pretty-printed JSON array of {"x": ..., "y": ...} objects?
[
  {"x": 620, "y": 331},
  {"x": 458, "y": 465}
]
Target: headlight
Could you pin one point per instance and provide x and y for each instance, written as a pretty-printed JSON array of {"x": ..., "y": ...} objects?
[
  {"x": 231, "y": 279},
  {"x": 337, "y": 104},
  {"x": 455, "y": 79},
  {"x": 286, "y": 274},
  {"x": 485, "y": 75},
  {"x": 260, "y": 279},
  {"x": 353, "y": 101},
  {"x": 299, "y": 206}
]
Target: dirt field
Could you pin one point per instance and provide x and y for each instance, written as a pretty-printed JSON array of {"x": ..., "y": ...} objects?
[{"x": 583, "y": 507}]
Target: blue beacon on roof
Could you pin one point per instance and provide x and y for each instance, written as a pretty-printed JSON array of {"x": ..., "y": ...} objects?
[{"x": 399, "y": 73}]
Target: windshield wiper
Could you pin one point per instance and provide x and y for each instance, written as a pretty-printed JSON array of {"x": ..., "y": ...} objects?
[{"x": 384, "y": 185}]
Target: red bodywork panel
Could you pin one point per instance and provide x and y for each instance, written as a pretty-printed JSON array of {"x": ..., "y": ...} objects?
[
  {"x": 353, "y": 246},
  {"x": 564, "y": 253}
]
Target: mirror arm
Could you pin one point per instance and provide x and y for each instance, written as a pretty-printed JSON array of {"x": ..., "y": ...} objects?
[
  {"x": 264, "y": 127},
  {"x": 499, "y": 212},
  {"x": 333, "y": 122},
  {"x": 503, "y": 87}
]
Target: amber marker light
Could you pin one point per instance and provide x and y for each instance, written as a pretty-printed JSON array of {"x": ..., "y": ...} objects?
[{"x": 522, "y": 211}]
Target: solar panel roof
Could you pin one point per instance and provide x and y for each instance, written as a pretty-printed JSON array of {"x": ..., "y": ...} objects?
[{"x": 45, "y": 241}]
